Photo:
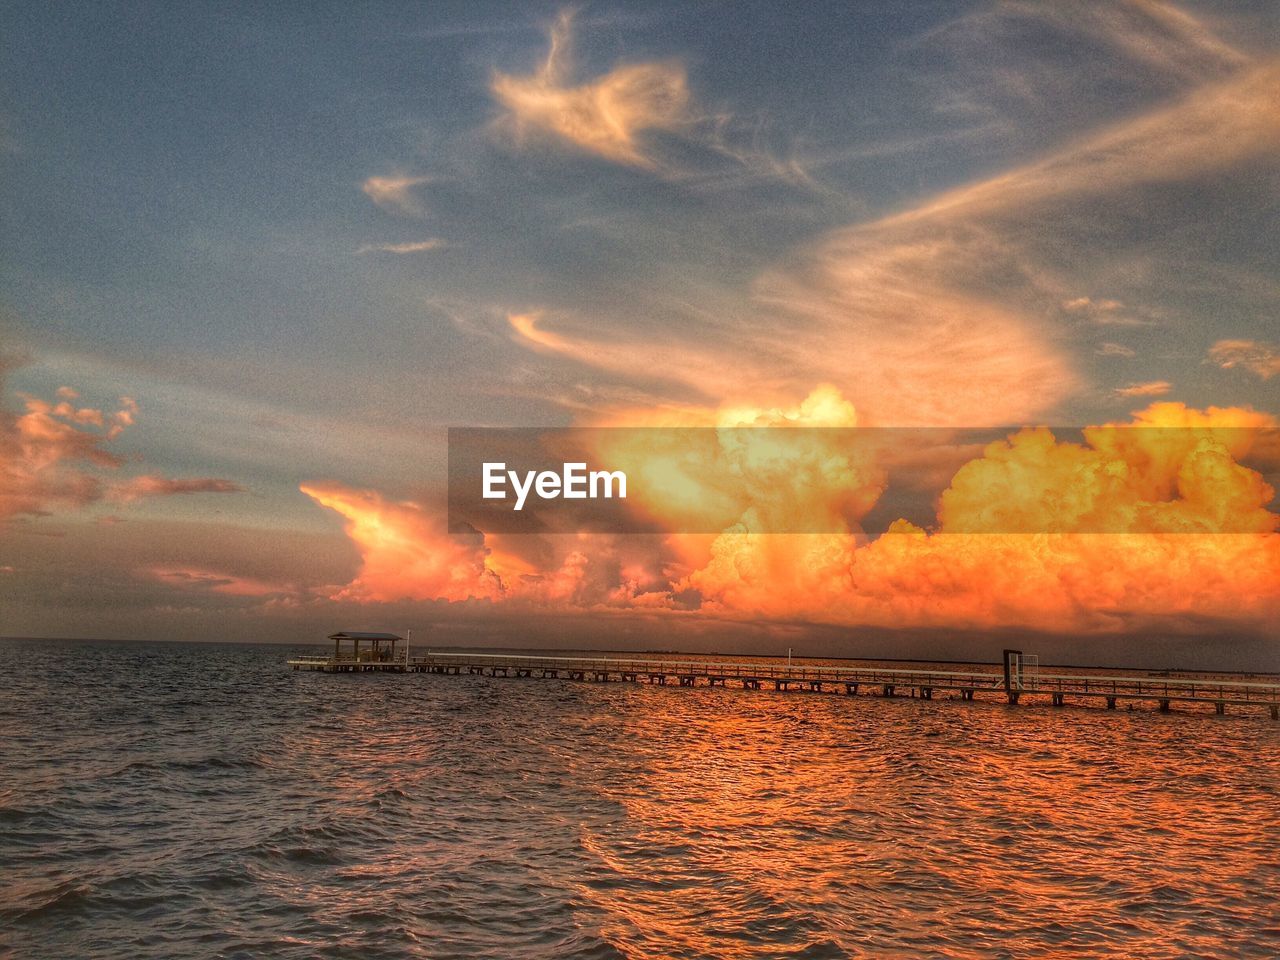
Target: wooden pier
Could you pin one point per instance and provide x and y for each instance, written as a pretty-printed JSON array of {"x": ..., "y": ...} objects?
[{"x": 1011, "y": 682}]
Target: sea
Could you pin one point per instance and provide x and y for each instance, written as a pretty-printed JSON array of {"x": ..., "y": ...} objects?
[{"x": 162, "y": 800}]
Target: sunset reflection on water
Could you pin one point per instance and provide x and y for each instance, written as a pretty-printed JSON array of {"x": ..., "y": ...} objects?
[{"x": 267, "y": 813}]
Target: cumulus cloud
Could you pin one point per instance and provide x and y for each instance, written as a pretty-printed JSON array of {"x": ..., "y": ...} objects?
[
  {"x": 406, "y": 551},
  {"x": 1261, "y": 359},
  {"x": 1159, "y": 489},
  {"x": 1172, "y": 469},
  {"x": 395, "y": 193},
  {"x": 405, "y": 554},
  {"x": 1191, "y": 536},
  {"x": 1151, "y": 388},
  {"x": 608, "y": 116}
]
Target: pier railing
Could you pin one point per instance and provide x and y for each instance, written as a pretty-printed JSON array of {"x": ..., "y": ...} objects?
[{"x": 850, "y": 678}]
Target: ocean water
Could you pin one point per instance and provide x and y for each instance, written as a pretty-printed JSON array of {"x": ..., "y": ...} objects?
[{"x": 205, "y": 801}]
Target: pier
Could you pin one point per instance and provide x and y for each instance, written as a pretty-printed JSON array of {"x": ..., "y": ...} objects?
[{"x": 1015, "y": 681}]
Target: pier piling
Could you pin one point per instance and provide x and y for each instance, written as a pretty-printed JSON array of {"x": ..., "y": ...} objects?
[{"x": 1015, "y": 684}]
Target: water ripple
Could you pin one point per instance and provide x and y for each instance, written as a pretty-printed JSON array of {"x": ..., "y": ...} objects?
[{"x": 202, "y": 801}]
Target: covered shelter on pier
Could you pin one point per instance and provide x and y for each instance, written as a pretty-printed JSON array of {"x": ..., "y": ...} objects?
[{"x": 378, "y": 647}]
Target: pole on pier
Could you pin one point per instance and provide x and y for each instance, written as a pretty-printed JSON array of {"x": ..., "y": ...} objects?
[
  {"x": 408, "y": 638},
  {"x": 1012, "y": 674},
  {"x": 788, "y": 658}
]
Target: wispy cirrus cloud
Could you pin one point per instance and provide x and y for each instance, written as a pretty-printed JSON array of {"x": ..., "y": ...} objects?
[
  {"x": 1212, "y": 127},
  {"x": 411, "y": 246},
  {"x": 1259, "y": 358},
  {"x": 395, "y": 193},
  {"x": 608, "y": 116},
  {"x": 1106, "y": 312},
  {"x": 154, "y": 485},
  {"x": 1151, "y": 388},
  {"x": 957, "y": 308}
]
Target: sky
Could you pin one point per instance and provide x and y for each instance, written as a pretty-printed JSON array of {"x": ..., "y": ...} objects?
[{"x": 257, "y": 261}]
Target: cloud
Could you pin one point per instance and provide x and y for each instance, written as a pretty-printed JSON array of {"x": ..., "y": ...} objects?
[
  {"x": 1190, "y": 535},
  {"x": 54, "y": 455},
  {"x": 1209, "y": 129},
  {"x": 51, "y": 455},
  {"x": 938, "y": 312},
  {"x": 608, "y": 116},
  {"x": 671, "y": 362},
  {"x": 1052, "y": 59},
  {"x": 890, "y": 315},
  {"x": 1152, "y": 488},
  {"x": 1262, "y": 359},
  {"x": 1152, "y": 388},
  {"x": 152, "y": 485},
  {"x": 405, "y": 550},
  {"x": 395, "y": 193},
  {"x": 1173, "y": 469},
  {"x": 945, "y": 313},
  {"x": 952, "y": 310},
  {"x": 215, "y": 581},
  {"x": 414, "y": 246},
  {"x": 1104, "y": 312},
  {"x": 405, "y": 554},
  {"x": 1088, "y": 303}
]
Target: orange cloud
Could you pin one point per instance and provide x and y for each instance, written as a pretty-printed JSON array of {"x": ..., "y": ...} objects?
[
  {"x": 1261, "y": 359},
  {"x": 1130, "y": 481},
  {"x": 607, "y": 116},
  {"x": 1189, "y": 536},
  {"x": 758, "y": 480},
  {"x": 1152, "y": 388},
  {"x": 406, "y": 554},
  {"x": 54, "y": 455},
  {"x": 1172, "y": 470},
  {"x": 48, "y": 453},
  {"x": 152, "y": 485}
]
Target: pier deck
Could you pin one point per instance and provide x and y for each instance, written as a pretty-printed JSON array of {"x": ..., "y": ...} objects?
[{"x": 1056, "y": 689}]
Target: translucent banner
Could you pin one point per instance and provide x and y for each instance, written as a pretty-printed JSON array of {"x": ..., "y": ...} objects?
[{"x": 1108, "y": 479}]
